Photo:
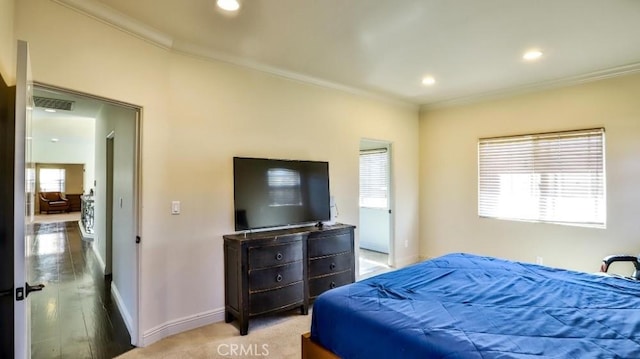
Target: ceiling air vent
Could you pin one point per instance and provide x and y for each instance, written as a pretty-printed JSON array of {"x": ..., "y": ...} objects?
[{"x": 53, "y": 103}]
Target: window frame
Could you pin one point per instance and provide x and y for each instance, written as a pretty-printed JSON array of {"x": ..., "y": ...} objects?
[{"x": 554, "y": 174}]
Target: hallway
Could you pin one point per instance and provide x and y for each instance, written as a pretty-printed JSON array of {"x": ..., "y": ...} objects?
[{"x": 74, "y": 316}]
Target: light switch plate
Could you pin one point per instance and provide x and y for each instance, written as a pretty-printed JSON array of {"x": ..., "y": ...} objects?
[{"x": 175, "y": 207}]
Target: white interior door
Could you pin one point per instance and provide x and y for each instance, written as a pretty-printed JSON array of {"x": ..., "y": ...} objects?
[{"x": 24, "y": 105}]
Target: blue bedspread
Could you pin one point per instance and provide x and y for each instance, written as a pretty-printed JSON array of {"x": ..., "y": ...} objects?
[{"x": 467, "y": 306}]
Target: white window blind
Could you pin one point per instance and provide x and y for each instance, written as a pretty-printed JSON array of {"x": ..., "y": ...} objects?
[
  {"x": 52, "y": 179},
  {"x": 374, "y": 181},
  {"x": 30, "y": 180},
  {"x": 552, "y": 177}
]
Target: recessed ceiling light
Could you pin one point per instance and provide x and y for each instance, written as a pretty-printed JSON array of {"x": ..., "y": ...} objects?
[
  {"x": 428, "y": 81},
  {"x": 228, "y": 5},
  {"x": 49, "y": 110},
  {"x": 532, "y": 55},
  {"x": 54, "y": 140}
]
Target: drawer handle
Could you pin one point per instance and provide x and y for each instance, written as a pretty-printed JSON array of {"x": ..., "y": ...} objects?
[
  {"x": 332, "y": 285},
  {"x": 279, "y": 278},
  {"x": 279, "y": 256},
  {"x": 332, "y": 266}
]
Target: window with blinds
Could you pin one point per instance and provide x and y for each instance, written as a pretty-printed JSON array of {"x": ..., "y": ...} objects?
[
  {"x": 52, "y": 179},
  {"x": 551, "y": 177},
  {"x": 30, "y": 180},
  {"x": 374, "y": 181}
]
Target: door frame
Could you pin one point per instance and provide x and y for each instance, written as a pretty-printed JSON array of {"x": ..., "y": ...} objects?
[
  {"x": 108, "y": 260},
  {"x": 136, "y": 333},
  {"x": 390, "y": 193}
]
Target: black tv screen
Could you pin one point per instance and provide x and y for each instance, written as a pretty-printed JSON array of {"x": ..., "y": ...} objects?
[{"x": 275, "y": 193}]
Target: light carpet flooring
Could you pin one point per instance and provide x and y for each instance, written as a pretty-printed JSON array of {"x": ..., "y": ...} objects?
[{"x": 276, "y": 336}]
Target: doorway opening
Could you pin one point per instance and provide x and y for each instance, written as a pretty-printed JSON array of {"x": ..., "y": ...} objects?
[
  {"x": 97, "y": 267},
  {"x": 376, "y": 215}
]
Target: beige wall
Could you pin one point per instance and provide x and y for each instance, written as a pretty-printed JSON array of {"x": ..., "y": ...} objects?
[
  {"x": 7, "y": 42},
  {"x": 197, "y": 115},
  {"x": 448, "y": 175}
]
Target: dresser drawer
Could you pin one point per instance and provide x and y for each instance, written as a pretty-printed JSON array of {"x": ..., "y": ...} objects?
[
  {"x": 331, "y": 264},
  {"x": 320, "y": 285},
  {"x": 327, "y": 245},
  {"x": 269, "y": 256},
  {"x": 275, "y": 277},
  {"x": 266, "y": 301}
]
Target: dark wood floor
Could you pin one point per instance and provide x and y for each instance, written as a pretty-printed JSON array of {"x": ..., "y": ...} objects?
[{"x": 74, "y": 316}]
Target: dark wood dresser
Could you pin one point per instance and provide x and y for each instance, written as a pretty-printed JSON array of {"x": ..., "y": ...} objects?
[
  {"x": 330, "y": 259},
  {"x": 272, "y": 271}
]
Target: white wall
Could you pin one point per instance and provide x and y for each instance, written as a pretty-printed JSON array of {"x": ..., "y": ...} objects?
[
  {"x": 7, "y": 42},
  {"x": 121, "y": 122},
  {"x": 448, "y": 175},
  {"x": 197, "y": 115}
]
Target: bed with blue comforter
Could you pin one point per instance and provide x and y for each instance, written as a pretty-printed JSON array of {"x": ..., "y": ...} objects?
[{"x": 467, "y": 306}]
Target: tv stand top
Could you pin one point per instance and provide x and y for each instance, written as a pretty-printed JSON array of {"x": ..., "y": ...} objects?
[{"x": 243, "y": 236}]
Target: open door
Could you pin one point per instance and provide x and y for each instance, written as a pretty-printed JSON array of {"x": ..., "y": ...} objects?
[
  {"x": 376, "y": 240},
  {"x": 21, "y": 193}
]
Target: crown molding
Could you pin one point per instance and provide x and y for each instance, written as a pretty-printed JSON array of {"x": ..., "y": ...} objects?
[
  {"x": 112, "y": 17},
  {"x": 197, "y": 51},
  {"x": 108, "y": 15},
  {"x": 618, "y": 71}
]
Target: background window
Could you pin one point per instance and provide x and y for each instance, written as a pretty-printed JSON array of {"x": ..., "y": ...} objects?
[
  {"x": 30, "y": 180},
  {"x": 52, "y": 179},
  {"x": 373, "y": 179},
  {"x": 553, "y": 177}
]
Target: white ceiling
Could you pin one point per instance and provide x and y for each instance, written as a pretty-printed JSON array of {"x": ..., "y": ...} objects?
[
  {"x": 384, "y": 47},
  {"x": 76, "y": 127}
]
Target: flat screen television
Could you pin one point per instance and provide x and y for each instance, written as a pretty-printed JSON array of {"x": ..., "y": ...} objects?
[{"x": 276, "y": 193}]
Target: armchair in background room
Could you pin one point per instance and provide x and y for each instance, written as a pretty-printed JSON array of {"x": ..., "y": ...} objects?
[
  {"x": 607, "y": 261},
  {"x": 53, "y": 201}
]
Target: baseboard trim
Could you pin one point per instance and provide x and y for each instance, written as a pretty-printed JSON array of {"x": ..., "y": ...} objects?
[
  {"x": 182, "y": 325},
  {"x": 98, "y": 257},
  {"x": 128, "y": 320}
]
